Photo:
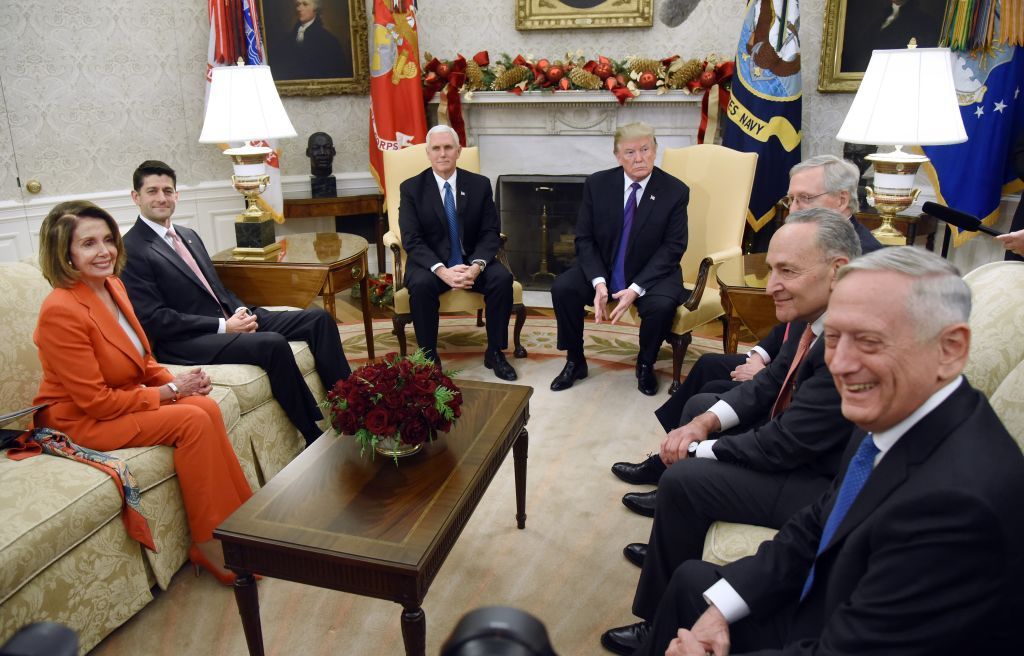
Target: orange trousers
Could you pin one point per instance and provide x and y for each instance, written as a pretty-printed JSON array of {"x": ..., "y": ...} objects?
[{"x": 212, "y": 483}]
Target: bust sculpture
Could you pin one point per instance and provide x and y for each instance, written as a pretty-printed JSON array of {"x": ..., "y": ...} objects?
[{"x": 320, "y": 151}]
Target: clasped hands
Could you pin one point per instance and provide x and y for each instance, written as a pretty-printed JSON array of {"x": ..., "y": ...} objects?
[
  {"x": 625, "y": 297},
  {"x": 242, "y": 321},
  {"x": 460, "y": 276},
  {"x": 193, "y": 383},
  {"x": 709, "y": 635}
]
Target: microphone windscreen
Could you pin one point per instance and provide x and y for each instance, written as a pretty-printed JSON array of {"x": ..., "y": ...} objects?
[{"x": 961, "y": 220}]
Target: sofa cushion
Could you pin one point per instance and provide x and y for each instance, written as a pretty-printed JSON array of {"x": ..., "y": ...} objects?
[
  {"x": 249, "y": 382},
  {"x": 22, "y": 290},
  {"x": 727, "y": 542}
]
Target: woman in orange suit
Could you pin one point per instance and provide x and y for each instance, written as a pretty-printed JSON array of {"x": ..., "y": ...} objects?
[{"x": 104, "y": 388}]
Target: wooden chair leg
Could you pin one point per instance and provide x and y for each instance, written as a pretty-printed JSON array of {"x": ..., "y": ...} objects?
[
  {"x": 680, "y": 343},
  {"x": 400, "y": 321},
  {"x": 480, "y": 318},
  {"x": 520, "y": 311}
]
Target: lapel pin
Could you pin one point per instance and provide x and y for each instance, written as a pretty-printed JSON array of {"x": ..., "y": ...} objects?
[
  {"x": 462, "y": 193},
  {"x": 652, "y": 196}
]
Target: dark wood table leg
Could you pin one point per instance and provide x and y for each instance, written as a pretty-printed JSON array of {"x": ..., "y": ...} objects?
[
  {"x": 414, "y": 630},
  {"x": 519, "y": 449},
  {"x": 248, "y": 600},
  {"x": 364, "y": 289},
  {"x": 382, "y": 227}
]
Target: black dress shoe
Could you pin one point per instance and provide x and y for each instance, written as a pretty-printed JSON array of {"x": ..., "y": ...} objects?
[
  {"x": 625, "y": 639},
  {"x": 646, "y": 381},
  {"x": 642, "y": 503},
  {"x": 502, "y": 369},
  {"x": 645, "y": 473},
  {"x": 635, "y": 553},
  {"x": 571, "y": 372}
]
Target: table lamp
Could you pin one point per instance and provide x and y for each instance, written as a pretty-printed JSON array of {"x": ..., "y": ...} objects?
[
  {"x": 907, "y": 97},
  {"x": 243, "y": 106}
]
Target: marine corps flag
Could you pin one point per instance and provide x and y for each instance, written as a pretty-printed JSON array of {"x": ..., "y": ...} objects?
[
  {"x": 764, "y": 112},
  {"x": 397, "y": 118}
]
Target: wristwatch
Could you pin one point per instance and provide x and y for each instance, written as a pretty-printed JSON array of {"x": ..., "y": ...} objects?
[
  {"x": 177, "y": 394},
  {"x": 481, "y": 264}
]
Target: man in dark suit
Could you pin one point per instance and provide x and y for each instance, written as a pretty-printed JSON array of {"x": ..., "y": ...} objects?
[
  {"x": 915, "y": 548},
  {"x": 451, "y": 232},
  {"x": 309, "y": 50},
  {"x": 887, "y": 25},
  {"x": 824, "y": 181},
  {"x": 779, "y": 436},
  {"x": 630, "y": 254},
  {"x": 192, "y": 318}
]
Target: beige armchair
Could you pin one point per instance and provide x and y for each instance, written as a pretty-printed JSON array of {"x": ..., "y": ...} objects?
[
  {"x": 399, "y": 166},
  {"x": 720, "y": 180},
  {"x": 995, "y": 367}
]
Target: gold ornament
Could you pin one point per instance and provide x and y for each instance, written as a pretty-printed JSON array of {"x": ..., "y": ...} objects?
[
  {"x": 686, "y": 73},
  {"x": 644, "y": 65},
  {"x": 474, "y": 76},
  {"x": 584, "y": 80},
  {"x": 511, "y": 77}
]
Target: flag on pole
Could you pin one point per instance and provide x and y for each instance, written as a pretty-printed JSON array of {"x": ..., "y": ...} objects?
[
  {"x": 973, "y": 176},
  {"x": 764, "y": 112},
  {"x": 397, "y": 117},
  {"x": 235, "y": 32}
]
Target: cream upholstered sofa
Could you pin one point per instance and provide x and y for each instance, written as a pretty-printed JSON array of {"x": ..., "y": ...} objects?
[
  {"x": 64, "y": 552},
  {"x": 995, "y": 366}
]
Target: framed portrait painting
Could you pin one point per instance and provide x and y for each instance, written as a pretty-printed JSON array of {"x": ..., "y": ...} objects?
[
  {"x": 316, "y": 47},
  {"x": 568, "y": 14},
  {"x": 853, "y": 28}
]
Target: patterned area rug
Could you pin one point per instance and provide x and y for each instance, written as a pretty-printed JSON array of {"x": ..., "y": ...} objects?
[{"x": 458, "y": 336}]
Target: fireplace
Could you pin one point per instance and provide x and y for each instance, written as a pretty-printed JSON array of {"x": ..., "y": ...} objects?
[{"x": 538, "y": 213}]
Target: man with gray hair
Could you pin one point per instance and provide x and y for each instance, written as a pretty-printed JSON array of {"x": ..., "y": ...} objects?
[
  {"x": 762, "y": 451},
  {"x": 915, "y": 547},
  {"x": 630, "y": 235},
  {"x": 451, "y": 232}
]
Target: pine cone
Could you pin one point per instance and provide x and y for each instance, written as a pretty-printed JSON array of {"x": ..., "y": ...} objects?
[
  {"x": 508, "y": 79},
  {"x": 584, "y": 80},
  {"x": 474, "y": 76},
  {"x": 689, "y": 71},
  {"x": 643, "y": 65}
]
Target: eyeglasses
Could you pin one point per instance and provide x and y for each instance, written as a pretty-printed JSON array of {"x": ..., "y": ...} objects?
[{"x": 803, "y": 199}]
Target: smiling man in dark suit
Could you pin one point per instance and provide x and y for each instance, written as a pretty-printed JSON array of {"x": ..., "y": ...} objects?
[
  {"x": 192, "y": 318},
  {"x": 451, "y": 232},
  {"x": 916, "y": 547},
  {"x": 630, "y": 235}
]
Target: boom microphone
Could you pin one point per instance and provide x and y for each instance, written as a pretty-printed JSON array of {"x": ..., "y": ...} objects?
[{"x": 962, "y": 220}]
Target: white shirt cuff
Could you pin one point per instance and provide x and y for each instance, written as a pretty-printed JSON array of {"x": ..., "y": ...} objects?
[
  {"x": 598, "y": 280},
  {"x": 763, "y": 353},
  {"x": 726, "y": 415},
  {"x": 223, "y": 327},
  {"x": 725, "y": 598},
  {"x": 436, "y": 267},
  {"x": 640, "y": 291},
  {"x": 705, "y": 450}
]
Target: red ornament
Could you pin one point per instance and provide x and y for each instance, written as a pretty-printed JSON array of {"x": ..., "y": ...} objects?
[
  {"x": 563, "y": 84},
  {"x": 542, "y": 64},
  {"x": 621, "y": 79},
  {"x": 555, "y": 73},
  {"x": 443, "y": 69},
  {"x": 604, "y": 70},
  {"x": 610, "y": 83},
  {"x": 647, "y": 80},
  {"x": 708, "y": 79}
]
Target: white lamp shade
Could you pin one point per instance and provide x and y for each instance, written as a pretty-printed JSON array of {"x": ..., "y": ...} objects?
[
  {"x": 907, "y": 97},
  {"x": 244, "y": 105}
]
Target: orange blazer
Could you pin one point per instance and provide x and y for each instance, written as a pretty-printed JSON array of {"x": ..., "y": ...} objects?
[{"x": 93, "y": 376}]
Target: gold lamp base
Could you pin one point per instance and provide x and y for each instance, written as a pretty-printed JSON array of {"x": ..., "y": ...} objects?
[
  {"x": 893, "y": 192},
  {"x": 254, "y": 228}
]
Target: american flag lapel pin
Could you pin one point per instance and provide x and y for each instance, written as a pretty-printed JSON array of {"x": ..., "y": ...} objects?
[
  {"x": 652, "y": 196},
  {"x": 462, "y": 193}
]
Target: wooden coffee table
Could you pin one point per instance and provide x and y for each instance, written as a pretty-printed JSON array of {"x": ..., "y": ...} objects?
[
  {"x": 308, "y": 265},
  {"x": 335, "y": 520},
  {"x": 741, "y": 282}
]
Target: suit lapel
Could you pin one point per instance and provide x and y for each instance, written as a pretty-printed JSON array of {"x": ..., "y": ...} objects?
[
  {"x": 912, "y": 448},
  {"x": 107, "y": 323},
  {"x": 645, "y": 207},
  {"x": 461, "y": 203}
]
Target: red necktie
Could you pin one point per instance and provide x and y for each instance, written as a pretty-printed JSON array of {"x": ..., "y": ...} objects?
[
  {"x": 179, "y": 248},
  {"x": 786, "y": 393}
]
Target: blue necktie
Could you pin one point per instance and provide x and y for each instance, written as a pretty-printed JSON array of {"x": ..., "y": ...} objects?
[
  {"x": 856, "y": 476},
  {"x": 619, "y": 270},
  {"x": 455, "y": 256}
]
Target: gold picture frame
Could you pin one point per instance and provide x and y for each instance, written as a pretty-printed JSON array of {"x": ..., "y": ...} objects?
[
  {"x": 853, "y": 29},
  {"x": 576, "y": 14},
  {"x": 335, "y": 59}
]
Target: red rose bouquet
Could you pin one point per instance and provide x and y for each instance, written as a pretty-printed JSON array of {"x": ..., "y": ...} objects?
[{"x": 398, "y": 402}]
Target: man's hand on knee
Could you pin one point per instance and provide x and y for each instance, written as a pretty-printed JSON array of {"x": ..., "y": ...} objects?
[
  {"x": 242, "y": 321},
  {"x": 674, "y": 446},
  {"x": 712, "y": 632}
]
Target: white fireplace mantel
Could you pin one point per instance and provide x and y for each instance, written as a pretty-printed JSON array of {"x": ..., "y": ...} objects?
[{"x": 568, "y": 132}]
